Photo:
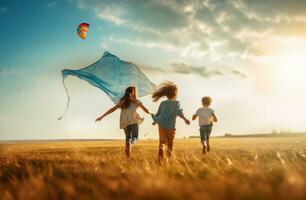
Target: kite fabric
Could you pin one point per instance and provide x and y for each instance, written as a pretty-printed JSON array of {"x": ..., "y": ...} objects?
[
  {"x": 82, "y": 30},
  {"x": 112, "y": 76}
]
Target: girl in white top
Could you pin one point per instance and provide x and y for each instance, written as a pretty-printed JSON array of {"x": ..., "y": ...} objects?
[
  {"x": 206, "y": 118},
  {"x": 129, "y": 118}
]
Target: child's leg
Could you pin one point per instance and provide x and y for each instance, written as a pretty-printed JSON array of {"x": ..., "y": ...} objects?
[
  {"x": 127, "y": 132},
  {"x": 203, "y": 138},
  {"x": 128, "y": 135},
  {"x": 209, "y": 129},
  {"x": 162, "y": 141},
  {"x": 202, "y": 135},
  {"x": 170, "y": 138},
  {"x": 134, "y": 132}
]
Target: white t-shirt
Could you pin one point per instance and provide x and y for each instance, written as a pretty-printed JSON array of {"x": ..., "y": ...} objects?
[
  {"x": 205, "y": 116},
  {"x": 129, "y": 116}
]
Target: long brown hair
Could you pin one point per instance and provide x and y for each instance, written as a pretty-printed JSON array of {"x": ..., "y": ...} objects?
[
  {"x": 167, "y": 89},
  {"x": 128, "y": 97}
]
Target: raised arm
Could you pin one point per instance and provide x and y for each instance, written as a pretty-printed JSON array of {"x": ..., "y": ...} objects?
[{"x": 111, "y": 110}]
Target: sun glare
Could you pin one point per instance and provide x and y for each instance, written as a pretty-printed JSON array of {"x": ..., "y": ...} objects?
[
  {"x": 291, "y": 69},
  {"x": 73, "y": 127}
]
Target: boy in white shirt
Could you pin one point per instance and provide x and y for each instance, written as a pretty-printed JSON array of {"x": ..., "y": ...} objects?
[{"x": 206, "y": 118}]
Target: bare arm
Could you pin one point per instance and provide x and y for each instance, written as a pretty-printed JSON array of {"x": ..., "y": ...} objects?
[
  {"x": 154, "y": 116},
  {"x": 144, "y": 108},
  {"x": 184, "y": 118},
  {"x": 181, "y": 114},
  {"x": 214, "y": 117},
  {"x": 111, "y": 110}
]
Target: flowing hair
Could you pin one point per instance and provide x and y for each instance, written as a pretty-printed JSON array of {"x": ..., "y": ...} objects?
[
  {"x": 167, "y": 89},
  {"x": 127, "y": 98}
]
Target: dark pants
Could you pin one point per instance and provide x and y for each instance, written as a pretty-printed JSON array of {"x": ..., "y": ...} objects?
[
  {"x": 205, "y": 132},
  {"x": 131, "y": 131}
]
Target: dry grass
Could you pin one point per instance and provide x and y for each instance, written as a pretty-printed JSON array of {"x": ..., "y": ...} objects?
[{"x": 237, "y": 168}]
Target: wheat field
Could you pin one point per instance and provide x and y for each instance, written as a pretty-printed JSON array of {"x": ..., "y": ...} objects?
[{"x": 236, "y": 168}]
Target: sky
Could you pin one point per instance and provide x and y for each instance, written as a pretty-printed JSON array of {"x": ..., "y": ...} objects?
[{"x": 249, "y": 56}]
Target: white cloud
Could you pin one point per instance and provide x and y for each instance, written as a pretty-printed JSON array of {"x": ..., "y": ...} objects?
[
  {"x": 113, "y": 14},
  {"x": 239, "y": 73},
  {"x": 202, "y": 71},
  {"x": 210, "y": 29}
]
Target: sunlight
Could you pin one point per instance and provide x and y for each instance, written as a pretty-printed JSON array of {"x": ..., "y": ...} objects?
[
  {"x": 74, "y": 127},
  {"x": 291, "y": 69}
]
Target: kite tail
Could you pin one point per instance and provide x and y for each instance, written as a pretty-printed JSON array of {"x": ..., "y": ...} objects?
[{"x": 68, "y": 100}]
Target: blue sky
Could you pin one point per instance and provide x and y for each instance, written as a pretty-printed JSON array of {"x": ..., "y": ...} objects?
[{"x": 246, "y": 55}]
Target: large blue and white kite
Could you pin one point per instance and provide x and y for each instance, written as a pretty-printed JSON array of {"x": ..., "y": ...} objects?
[{"x": 112, "y": 76}]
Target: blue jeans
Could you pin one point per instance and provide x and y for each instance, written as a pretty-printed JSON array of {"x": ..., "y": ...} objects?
[
  {"x": 205, "y": 132},
  {"x": 131, "y": 132}
]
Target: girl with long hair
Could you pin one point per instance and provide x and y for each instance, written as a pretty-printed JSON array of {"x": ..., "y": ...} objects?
[
  {"x": 129, "y": 118},
  {"x": 166, "y": 117}
]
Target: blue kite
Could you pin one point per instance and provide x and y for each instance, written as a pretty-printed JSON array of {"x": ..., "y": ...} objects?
[{"x": 112, "y": 75}]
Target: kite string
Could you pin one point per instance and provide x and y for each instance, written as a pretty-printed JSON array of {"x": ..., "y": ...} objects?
[{"x": 68, "y": 100}]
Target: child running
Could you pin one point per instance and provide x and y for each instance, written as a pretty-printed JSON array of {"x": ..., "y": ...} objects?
[
  {"x": 166, "y": 117},
  {"x": 206, "y": 118},
  {"x": 129, "y": 118}
]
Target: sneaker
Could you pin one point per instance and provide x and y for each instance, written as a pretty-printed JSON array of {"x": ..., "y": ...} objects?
[{"x": 133, "y": 140}]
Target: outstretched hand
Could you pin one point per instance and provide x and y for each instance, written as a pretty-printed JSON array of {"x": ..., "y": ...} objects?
[
  {"x": 98, "y": 119},
  {"x": 187, "y": 121}
]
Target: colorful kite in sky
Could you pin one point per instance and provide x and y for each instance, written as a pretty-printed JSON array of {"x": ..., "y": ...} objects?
[
  {"x": 82, "y": 30},
  {"x": 112, "y": 76}
]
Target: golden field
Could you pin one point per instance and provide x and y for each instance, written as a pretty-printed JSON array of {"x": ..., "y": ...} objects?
[{"x": 236, "y": 168}]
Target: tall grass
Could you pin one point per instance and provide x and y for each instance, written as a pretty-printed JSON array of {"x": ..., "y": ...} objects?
[{"x": 236, "y": 168}]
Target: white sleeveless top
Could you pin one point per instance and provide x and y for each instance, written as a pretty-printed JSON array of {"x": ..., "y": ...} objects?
[{"x": 129, "y": 116}]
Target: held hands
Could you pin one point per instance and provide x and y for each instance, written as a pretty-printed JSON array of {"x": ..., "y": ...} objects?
[
  {"x": 187, "y": 121},
  {"x": 150, "y": 113}
]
